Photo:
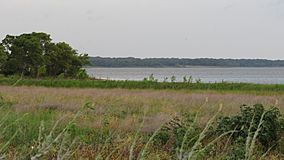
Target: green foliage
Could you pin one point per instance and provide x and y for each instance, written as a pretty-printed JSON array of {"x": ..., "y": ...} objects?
[
  {"x": 62, "y": 58},
  {"x": 174, "y": 132},
  {"x": 41, "y": 72},
  {"x": 238, "y": 150},
  {"x": 61, "y": 76},
  {"x": 89, "y": 83},
  {"x": 3, "y": 56},
  {"x": 82, "y": 74},
  {"x": 254, "y": 128},
  {"x": 249, "y": 118},
  {"x": 35, "y": 135},
  {"x": 25, "y": 53},
  {"x": 36, "y": 55},
  {"x": 44, "y": 133}
]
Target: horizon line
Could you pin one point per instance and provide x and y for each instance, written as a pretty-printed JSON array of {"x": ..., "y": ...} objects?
[{"x": 216, "y": 58}]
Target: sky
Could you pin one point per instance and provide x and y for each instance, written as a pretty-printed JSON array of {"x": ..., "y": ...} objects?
[{"x": 154, "y": 28}]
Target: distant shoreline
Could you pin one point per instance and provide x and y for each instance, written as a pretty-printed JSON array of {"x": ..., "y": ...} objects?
[
  {"x": 182, "y": 67},
  {"x": 131, "y": 62}
]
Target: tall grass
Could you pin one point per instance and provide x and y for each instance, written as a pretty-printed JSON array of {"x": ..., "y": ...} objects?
[
  {"x": 54, "y": 134},
  {"x": 72, "y": 83}
]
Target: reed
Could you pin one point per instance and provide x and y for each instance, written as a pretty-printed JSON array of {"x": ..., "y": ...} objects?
[{"x": 73, "y": 83}]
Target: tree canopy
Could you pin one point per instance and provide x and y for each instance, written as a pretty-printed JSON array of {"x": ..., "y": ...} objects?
[
  {"x": 35, "y": 54},
  {"x": 3, "y": 56}
]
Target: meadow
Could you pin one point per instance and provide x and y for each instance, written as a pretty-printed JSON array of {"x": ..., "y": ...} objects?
[{"x": 48, "y": 122}]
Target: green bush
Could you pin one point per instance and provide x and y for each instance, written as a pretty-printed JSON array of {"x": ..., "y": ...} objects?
[
  {"x": 173, "y": 132},
  {"x": 61, "y": 76},
  {"x": 249, "y": 117},
  {"x": 41, "y": 72},
  {"x": 82, "y": 74},
  {"x": 238, "y": 150}
]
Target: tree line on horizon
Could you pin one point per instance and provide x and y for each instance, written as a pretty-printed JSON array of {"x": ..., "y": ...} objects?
[
  {"x": 182, "y": 62},
  {"x": 35, "y": 55}
]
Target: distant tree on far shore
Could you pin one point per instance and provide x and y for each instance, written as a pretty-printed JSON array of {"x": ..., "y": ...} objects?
[
  {"x": 182, "y": 62},
  {"x": 35, "y": 53}
]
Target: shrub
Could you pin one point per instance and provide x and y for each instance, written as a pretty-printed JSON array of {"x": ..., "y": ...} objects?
[
  {"x": 61, "y": 76},
  {"x": 82, "y": 74},
  {"x": 249, "y": 117},
  {"x": 173, "y": 132},
  {"x": 238, "y": 150},
  {"x": 41, "y": 72}
]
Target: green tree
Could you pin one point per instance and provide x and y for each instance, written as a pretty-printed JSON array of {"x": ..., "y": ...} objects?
[
  {"x": 3, "y": 56},
  {"x": 62, "y": 58},
  {"x": 25, "y": 53},
  {"x": 36, "y": 55}
]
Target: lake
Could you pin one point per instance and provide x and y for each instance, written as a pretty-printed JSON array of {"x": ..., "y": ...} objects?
[{"x": 206, "y": 74}]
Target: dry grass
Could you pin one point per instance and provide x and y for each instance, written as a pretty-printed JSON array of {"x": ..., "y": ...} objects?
[
  {"x": 127, "y": 107},
  {"x": 124, "y": 111}
]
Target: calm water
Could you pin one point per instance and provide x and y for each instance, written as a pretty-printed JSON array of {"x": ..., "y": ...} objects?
[{"x": 253, "y": 75}]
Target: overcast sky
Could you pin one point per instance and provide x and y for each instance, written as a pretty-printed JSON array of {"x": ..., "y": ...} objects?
[{"x": 154, "y": 28}]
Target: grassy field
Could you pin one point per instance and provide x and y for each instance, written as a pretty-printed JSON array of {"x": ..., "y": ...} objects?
[
  {"x": 72, "y": 83},
  {"x": 89, "y": 123}
]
